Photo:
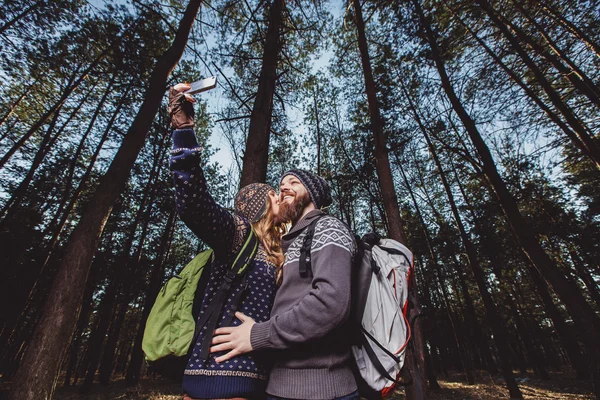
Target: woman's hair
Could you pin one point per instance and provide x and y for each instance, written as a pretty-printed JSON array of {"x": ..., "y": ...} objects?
[{"x": 270, "y": 234}]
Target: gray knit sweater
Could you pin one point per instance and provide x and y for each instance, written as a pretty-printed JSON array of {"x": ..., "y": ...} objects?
[{"x": 312, "y": 357}]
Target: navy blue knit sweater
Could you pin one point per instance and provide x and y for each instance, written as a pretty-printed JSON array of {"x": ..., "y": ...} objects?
[{"x": 245, "y": 375}]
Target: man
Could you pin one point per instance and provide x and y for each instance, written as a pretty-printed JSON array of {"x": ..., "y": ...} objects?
[{"x": 313, "y": 359}]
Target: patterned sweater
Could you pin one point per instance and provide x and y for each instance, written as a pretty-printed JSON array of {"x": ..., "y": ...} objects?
[
  {"x": 245, "y": 375},
  {"x": 307, "y": 323}
]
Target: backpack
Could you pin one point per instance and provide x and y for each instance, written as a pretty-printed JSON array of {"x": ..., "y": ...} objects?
[
  {"x": 380, "y": 330},
  {"x": 171, "y": 329}
]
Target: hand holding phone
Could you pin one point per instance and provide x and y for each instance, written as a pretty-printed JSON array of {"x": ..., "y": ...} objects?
[{"x": 202, "y": 85}]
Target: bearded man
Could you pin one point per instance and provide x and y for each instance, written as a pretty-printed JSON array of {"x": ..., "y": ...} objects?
[{"x": 308, "y": 320}]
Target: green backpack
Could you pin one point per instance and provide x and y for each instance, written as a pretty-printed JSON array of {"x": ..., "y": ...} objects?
[{"x": 171, "y": 327}]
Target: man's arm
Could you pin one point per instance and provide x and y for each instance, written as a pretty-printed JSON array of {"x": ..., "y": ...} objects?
[{"x": 325, "y": 307}]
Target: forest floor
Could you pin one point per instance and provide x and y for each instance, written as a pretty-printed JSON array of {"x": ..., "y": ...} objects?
[{"x": 560, "y": 386}]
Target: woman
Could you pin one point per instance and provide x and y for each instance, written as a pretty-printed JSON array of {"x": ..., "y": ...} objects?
[{"x": 256, "y": 207}]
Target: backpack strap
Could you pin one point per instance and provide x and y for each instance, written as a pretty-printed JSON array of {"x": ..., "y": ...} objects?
[
  {"x": 210, "y": 318},
  {"x": 305, "y": 257},
  {"x": 373, "y": 357}
]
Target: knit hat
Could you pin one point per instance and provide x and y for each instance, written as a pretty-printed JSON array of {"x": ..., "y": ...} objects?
[
  {"x": 251, "y": 201},
  {"x": 318, "y": 189}
]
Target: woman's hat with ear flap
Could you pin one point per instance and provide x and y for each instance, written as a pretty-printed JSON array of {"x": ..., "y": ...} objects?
[{"x": 251, "y": 201}]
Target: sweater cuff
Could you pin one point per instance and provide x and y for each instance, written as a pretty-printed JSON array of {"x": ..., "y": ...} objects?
[
  {"x": 259, "y": 335},
  {"x": 184, "y": 139}
]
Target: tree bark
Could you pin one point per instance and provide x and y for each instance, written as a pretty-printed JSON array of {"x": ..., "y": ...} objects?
[
  {"x": 16, "y": 19},
  {"x": 571, "y": 27},
  {"x": 256, "y": 156},
  {"x": 416, "y": 353},
  {"x": 36, "y": 377},
  {"x": 74, "y": 81},
  {"x": 137, "y": 357},
  {"x": 495, "y": 322},
  {"x": 571, "y": 72},
  {"x": 532, "y": 95},
  {"x": 589, "y": 142},
  {"x": 458, "y": 338},
  {"x": 583, "y": 315}
]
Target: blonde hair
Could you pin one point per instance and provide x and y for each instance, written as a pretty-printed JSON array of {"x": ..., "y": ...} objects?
[{"x": 270, "y": 234}]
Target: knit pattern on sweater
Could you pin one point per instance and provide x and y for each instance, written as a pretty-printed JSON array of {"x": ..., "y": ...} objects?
[
  {"x": 245, "y": 375},
  {"x": 329, "y": 231}
]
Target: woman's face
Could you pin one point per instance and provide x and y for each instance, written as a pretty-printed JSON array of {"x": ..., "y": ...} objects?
[{"x": 274, "y": 199}]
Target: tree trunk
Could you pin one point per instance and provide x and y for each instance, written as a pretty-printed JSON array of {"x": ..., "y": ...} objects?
[
  {"x": 572, "y": 28},
  {"x": 82, "y": 322},
  {"x": 74, "y": 81},
  {"x": 532, "y": 95},
  {"x": 568, "y": 341},
  {"x": 95, "y": 344},
  {"x": 585, "y": 276},
  {"x": 36, "y": 378},
  {"x": 495, "y": 322},
  {"x": 589, "y": 142},
  {"x": 533, "y": 354},
  {"x": 256, "y": 156},
  {"x": 16, "y": 19},
  {"x": 572, "y": 72},
  {"x": 17, "y": 312},
  {"x": 135, "y": 364},
  {"x": 416, "y": 353},
  {"x": 583, "y": 315},
  {"x": 458, "y": 338}
]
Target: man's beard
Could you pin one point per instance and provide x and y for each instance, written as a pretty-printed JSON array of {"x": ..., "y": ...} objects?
[{"x": 291, "y": 212}]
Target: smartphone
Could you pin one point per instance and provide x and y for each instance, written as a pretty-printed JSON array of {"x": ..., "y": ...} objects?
[{"x": 202, "y": 85}]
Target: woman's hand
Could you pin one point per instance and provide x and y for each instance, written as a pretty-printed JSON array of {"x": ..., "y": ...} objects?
[
  {"x": 181, "y": 107},
  {"x": 236, "y": 339}
]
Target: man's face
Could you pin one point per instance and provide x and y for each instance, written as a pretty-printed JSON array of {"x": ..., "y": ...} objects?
[{"x": 293, "y": 199}]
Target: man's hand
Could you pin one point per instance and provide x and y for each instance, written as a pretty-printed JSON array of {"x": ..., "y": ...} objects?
[{"x": 236, "y": 339}]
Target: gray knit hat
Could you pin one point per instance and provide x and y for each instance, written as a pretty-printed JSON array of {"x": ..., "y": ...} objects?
[
  {"x": 251, "y": 201},
  {"x": 318, "y": 189}
]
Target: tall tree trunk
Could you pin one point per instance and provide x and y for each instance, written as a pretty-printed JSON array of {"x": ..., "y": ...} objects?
[
  {"x": 82, "y": 322},
  {"x": 20, "y": 16},
  {"x": 15, "y": 104},
  {"x": 493, "y": 317},
  {"x": 533, "y": 354},
  {"x": 108, "y": 355},
  {"x": 584, "y": 275},
  {"x": 256, "y": 156},
  {"x": 530, "y": 92},
  {"x": 17, "y": 312},
  {"x": 583, "y": 315},
  {"x": 415, "y": 357},
  {"x": 135, "y": 364},
  {"x": 571, "y": 27},
  {"x": 318, "y": 125},
  {"x": 570, "y": 71},
  {"x": 590, "y": 143},
  {"x": 36, "y": 377},
  {"x": 95, "y": 344},
  {"x": 75, "y": 80},
  {"x": 567, "y": 339},
  {"x": 458, "y": 338}
]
